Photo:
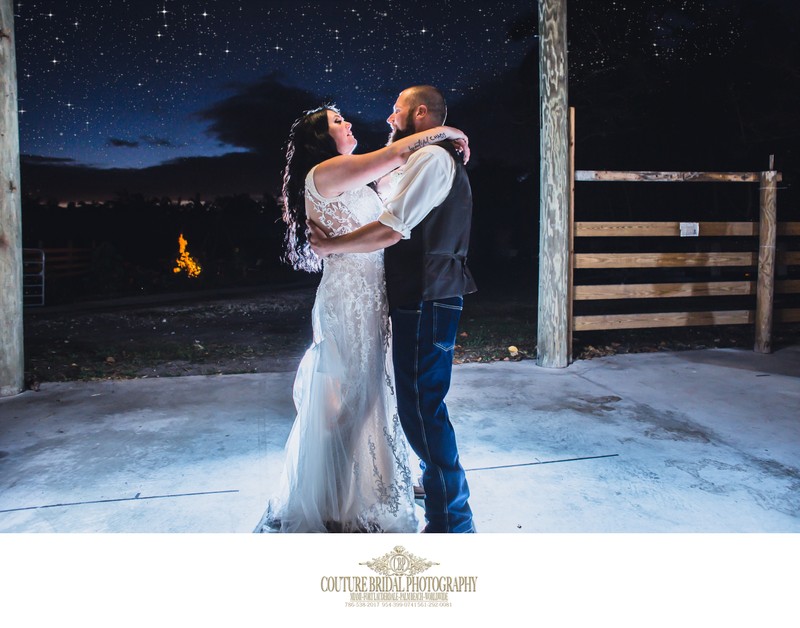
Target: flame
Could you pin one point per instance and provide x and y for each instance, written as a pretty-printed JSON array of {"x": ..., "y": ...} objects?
[{"x": 185, "y": 261}]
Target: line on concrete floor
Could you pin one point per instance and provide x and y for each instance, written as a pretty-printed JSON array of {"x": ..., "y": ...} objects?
[
  {"x": 530, "y": 464},
  {"x": 136, "y": 498}
]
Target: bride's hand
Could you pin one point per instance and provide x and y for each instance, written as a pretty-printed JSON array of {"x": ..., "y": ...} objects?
[
  {"x": 462, "y": 146},
  {"x": 460, "y": 140}
]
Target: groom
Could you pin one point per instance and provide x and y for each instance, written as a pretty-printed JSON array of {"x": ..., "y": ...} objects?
[{"x": 426, "y": 227}]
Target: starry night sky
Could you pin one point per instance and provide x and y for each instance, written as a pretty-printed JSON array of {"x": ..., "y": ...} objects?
[
  {"x": 124, "y": 83},
  {"x": 167, "y": 96}
]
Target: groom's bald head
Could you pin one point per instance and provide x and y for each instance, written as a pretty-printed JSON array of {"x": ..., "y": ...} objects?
[
  {"x": 431, "y": 99},
  {"x": 418, "y": 108}
]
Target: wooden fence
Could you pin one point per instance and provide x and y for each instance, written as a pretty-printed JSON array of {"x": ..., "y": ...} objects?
[
  {"x": 67, "y": 262},
  {"x": 760, "y": 261}
]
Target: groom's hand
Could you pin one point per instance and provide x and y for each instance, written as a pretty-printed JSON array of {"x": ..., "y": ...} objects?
[{"x": 317, "y": 239}]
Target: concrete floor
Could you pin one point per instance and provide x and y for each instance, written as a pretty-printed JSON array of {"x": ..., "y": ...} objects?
[{"x": 696, "y": 441}]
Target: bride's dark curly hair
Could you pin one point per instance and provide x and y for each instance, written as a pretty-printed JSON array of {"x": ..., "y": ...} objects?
[{"x": 309, "y": 144}]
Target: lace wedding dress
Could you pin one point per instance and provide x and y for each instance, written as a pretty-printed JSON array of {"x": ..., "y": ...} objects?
[{"x": 346, "y": 466}]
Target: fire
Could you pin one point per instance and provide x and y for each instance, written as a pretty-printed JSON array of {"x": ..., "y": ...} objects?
[{"x": 185, "y": 261}]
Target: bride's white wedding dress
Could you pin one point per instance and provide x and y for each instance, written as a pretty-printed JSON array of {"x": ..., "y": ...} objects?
[{"x": 346, "y": 467}]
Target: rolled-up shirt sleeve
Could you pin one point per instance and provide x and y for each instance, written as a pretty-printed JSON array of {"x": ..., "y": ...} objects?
[{"x": 424, "y": 184}]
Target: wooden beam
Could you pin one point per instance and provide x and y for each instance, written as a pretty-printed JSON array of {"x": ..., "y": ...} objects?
[
  {"x": 661, "y": 229},
  {"x": 664, "y": 319},
  {"x": 678, "y": 319},
  {"x": 663, "y": 260},
  {"x": 597, "y": 229},
  {"x": 669, "y": 177},
  {"x": 664, "y": 290},
  {"x": 12, "y": 363},
  {"x": 768, "y": 207},
  {"x": 571, "y": 225},
  {"x": 553, "y": 314}
]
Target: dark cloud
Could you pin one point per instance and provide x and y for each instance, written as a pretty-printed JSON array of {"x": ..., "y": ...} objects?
[
  {"x": 258, "y": 117},
  {"x": 115, "y": 141},
  {"x": 151, "y": 140},
  {"x": 43, "y": 159}
]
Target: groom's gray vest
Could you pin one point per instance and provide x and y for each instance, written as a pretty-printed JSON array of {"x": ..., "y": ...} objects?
[{"x": 432, "y": 264}]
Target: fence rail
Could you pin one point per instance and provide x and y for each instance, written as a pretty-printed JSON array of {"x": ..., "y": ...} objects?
[
  {"x": 668, "y": 229},
  {"x": 668, "y": 177}
]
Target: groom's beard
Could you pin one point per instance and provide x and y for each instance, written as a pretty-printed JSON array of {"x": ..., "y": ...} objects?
[{"x": 397, "y": 134}]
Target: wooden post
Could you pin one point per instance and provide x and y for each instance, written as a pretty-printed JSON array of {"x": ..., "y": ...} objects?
[
  {"x": 12, "y": 366},
  {"x": 571, "y": 268},
  {"x": 553, "y": 323},
  {"x": 766, "y": 260}
]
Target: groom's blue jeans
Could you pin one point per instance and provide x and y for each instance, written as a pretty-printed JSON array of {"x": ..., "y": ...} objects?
[{"x": 423, "y": 339}]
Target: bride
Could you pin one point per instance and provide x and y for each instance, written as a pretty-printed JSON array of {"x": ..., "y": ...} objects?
[{"x": 346, "y": 461}]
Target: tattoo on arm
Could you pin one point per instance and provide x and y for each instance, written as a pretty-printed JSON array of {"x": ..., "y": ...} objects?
[{"x": 430, "y": 139}]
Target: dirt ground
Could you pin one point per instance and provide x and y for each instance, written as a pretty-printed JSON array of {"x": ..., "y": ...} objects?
[
  {"x": 172, "y": 335},
  {"x": 254, "y": 330}
]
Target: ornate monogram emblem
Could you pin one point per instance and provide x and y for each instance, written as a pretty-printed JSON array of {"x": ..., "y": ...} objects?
[{"x": 399, "y": 562}]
